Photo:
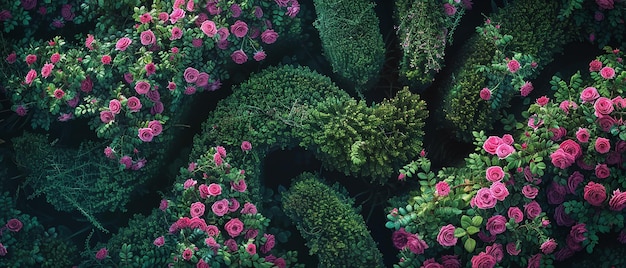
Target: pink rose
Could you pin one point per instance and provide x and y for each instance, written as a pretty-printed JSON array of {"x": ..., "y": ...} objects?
[
  {"x": 223, "y": 33},
  {"x": 208, "y": 27},
  {"x": 127, "y": 161},
  {"x": 106, "y": 59},
  {"x": 239, "y": 56},
  {"x": 548, "y": 246},
  {"x": 573, "y": 181},
  {"x": 239, "y": 186},
  {"x": 516, "y": 214},
  {"x": 513, "y": 66},
  {"x": 234, "y": 227},
  {"x": 446, "y": 236},
  {"x": 562, "y": 219},
  {"x": 512, "y": 249},
  {"x": 606, "y": 122},
  {"x": 187, "y": 254},
  {"x": 153, "y": 95},
  {"x": 14, "y": 225},
  {"x": 442, "y": 188},
  {"x": 529, "y": 191},
  {"x": 589, "y": 94},
  {"x": 485, "y": 94},
  {"x": 602, "y": 145},
  {"x": 59, "y": 93},
  {"x": 248, "y": 208},
  {"x": 142, "y": 87},
  {"x": 484, "y": 199},
  {"x": 156, "y": 127},
  {"x": 196, "y": 209},
  {"x": 582, "y": 135},
  {"x": 449, "y": 9},
  {"x": 191, "y": 75},
  {"x": 491, "y": 144},
  {"x": 102, "y": 254},
  {"x": 215, "y": 189},
  {"x": 239, "y": 29},
  {"x": 572, "y": 148},
  {"x": 532, "y": 210},
  {"x": 526, "y": 89},
  {"x": 259, "y": 55},
  {"x": 203, "y": 79},
  {"x": 204, "y": 191},
  {"x": 416, "y": 245},
  {"x": 30, "y": 59},
  {"x": 450, "y": 261},
  {"x": 147, "y": 38},
  {"x": 269, "y": 36},
  {"x": 556, "y": 193},
  {"x": 106, "y": 116},
  {"x": 115, "y": 106},
  {"x": 504, "y": 150},
  {"x": 159, "y": 241},
  {"x": 566, "y": 105},
  {"x": 559, "y": 133},
  {"x": 56, "y": 57},
  {"x": 594, "y": 193},
  {"x": 603, "y": 106},
  {"x": 220, "y": 208},
  {"x": 494, "y": 173},
  {"x": 123, "y": 43},
  {"x": 246, "y": 146},
  {"x": 542, "y": 101},
  {"x": 562, "y": 159},
  {"x": 30, "y": 76},
  {"x": 11, "y": 58},
  {"x": 605, "y": 4},
  {"x": 483, "y": 260},
  {"x": 234, "y": 205},
  {"x": 145, "y": 134},
  {"x": 595, "y": 65},
  {"x": 46, "y": 70},
  {"x": 499, "y": 190},
  {"x": 134, "y": 104},
  {"x": 618, "y": 200},
  {"x": 578, "y": 232},
  {"x": 496, "y": 224},
  {"x": 150, "y": 69},
  {"x": 495, "y": 250},
  {"x": 602, "y": 171},
  {"x": 270, "y": 242},
  {"x": 176, "y": 14}
]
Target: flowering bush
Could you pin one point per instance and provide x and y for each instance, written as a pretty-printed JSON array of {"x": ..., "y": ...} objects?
[
  {"x": 541, "y": 196},
  {"x": 597, "y": 21},
  {"x": 425, "y": 28}
]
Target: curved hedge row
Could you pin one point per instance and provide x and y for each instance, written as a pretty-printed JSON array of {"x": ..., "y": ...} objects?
[
  {"x": 335, "y": 232},
  {"x": 351, "y": 40}
]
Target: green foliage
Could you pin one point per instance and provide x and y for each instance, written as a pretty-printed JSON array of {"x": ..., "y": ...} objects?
[
  {"x": 592, "y": 23},
  {"x": 351, "y": 40},
  {"x": 424, "y": 30},
  {"x": 333, "y": 230},
  {"x": 370, "y": 142}
]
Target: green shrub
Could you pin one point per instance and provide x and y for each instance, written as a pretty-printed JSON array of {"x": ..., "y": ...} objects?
[{"x": 334, "y": 230}]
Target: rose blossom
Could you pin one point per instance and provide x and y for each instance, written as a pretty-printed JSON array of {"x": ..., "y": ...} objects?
[
  {"x": 595, "y": 65},
  {"x": 442, "y": 188},
  {"x": 542, "y": 101},
  {"x": 484, "y": 199},
  {"x": 606, "y": 122},
  {"x": 556, "y": 193},
  {"x": 220, "y": 208},
  {"x": 145, "y": 134},
  {"x": 602, "y": 171},
  {"x": 153, "y": 95},
  {"x": 516, "y": 214},
  {"x": 446, "y": 236},
  {"x": 618, "y": 200},
  {"x": 594, "y": 193},
  {"x": 532, "y": 209},
  {"x": 123, "y": 43},
  {"x": 578, "y": 232},
  {"x": 133, "y": 103},
  {"x": 187, "y": 254},
  {"x": 208, "y": 27},
  {"x": 561, "y": 159},
  {"x": 248, "y": 208},
  {"x": 102, "y": 254},
  {"x": 603, "y": 106},
  {"x": 239, "y": 57},
  {"x": 11, "y": 58},
  {"x": 504, "y": 150},
  {"x": 191, "y": 75},
  {"x": 46, "y": 70},
  {"x": 449, "y": 9},
  {"x": 14, "y": 225},
  {"x": 613, "y": 158},
  {"x": 495, "y": 250},
  {"x": 127, "y": 161},
  {"x": 106, "y": 116},
  {"x": 607, "y": 72},
  {"x": 589, "y": 94},
  {"x": 203, "y": 79},
  {"x": 431, "y": 263},
  {"x": 485, "y": 94},
  {"x": 159, "y": 241},
  {"x": 416, "y": 245},
  {"x": 529, "y": 191},
  {"x": 196, "y": 209},
  {"x": 147, "y": 38},
  {"x": 269, "y": 36},
  {"x": 548, "y": 246},
  {"x": 602, "y": 145},
  {"x": 239, "y": 186},
  {"x": 496, "y": 224},
  {"x": 176, "y": 14},
  {"x": 491, "y": 144},
  {"x": 59, "y": 93},
  {"x": 512, "y": 249},
  {"x": 562, "y": 219},
  {"x": 239, "y": 29},
  {"x": 259, "y": 55},
  {"x": 234, "y": 227},
  {"x": 573, "y": 181},
  {"x": 214, "y": 189},
  {"x": 450, "y": 261},
  {"x": 483, "y": 260},
  {"x": 559, "y": 133},
  {"x": 582, "y": 135},
  {"x": 142, "y": 87},
  {"x": 526, "y": 89},
  {"x": 494, "y": 173},
  {"x": 30, "y": 76},
  {"x": 499, "y": 190},
  {"x": 270, "y": 242},
  {"x": 572, "y": 148},
  {"x": 156, "y": 127}
]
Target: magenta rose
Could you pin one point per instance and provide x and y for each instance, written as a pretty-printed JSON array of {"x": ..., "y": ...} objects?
[
  {"x": 46, "y": 70},
  {"x": 606, "y": 122},
  {"x": 582, "y": 135},
  {"x": 529, "y": 191},
  {"x": 246, "y": 146},
  {"x": 269, "y": 36},
  {"x": 416, "y": 245},
  {"x": 562, "y": 159},
  {"x": 589, "y": 94},
  {"x": 239, "y": 56},
  {"x": 556, "y": 193},
  {"x": 220, "y": 208},
  {"x": 607, "y": 72},
  {"x": 602, "y": 145},
  {"x": 30, "y": 59},
  {"x": 483, "y": 260},
  {"x": 504, "y": 150},
  {"x": 142, "y": 87},
  {"x": 196, "y": 209},
  {"x": 156, "y": 127},
  {"x": 153, "y": 95},
  {"x": 594, "y": 193},
  {"x": 578, "y": 232},
  {"x": 102, "y": 254},
  {"x": 494, "y": 173},
  {"x": 239, "y": 29},
  {"x": 203, "y": 79},
  {"x": 496, "y": 224},
  {"x": 573, "y": 181},
  {"x": 484, "y": 199},
  {"x": 532, "y": 209},
  {"x": 595, "y": 65},
  {"x": 249, "y": 208},
  {"x": 215, "y": 189},
  {"x": 191, "y": 75},
  {"x": 30, "y": 76},
  {"x": 442, "y": 188},
  {"x": 208, "y": 27},
  {"x": 450, "y": 261},
  {"x": 115, "y": 106},
  {"x": 233, "y": 205},
  {"x": 603, "y": 106},
  {"x": 516, "y": 214},
  {"x": 223, "y": 33},
  {"x": 106, "y": 116},
  {"x": 449, "y": 9},
  {"x": 548, "y": 246},
  {"x": 431, "y": 263},
  {"x": 159, "y": 241},
  {"x": 491, "y": 144},
  {"x": 270, "y": 242},
  {"x": 572, "y": 148},
  {"x": 542, "y": 101},
  {"x": 239, "y": 186},
  {"x": 446, "y": 236},
  {"x": 499, "y": 190},
  {"x": 495, "y": 250},
  {"x": 562, "y": 219},
  {"x": 513, "y": 66},
  {"x": 133, "y": 103},
  {"x": 147, "y": 38},
  {"x": 176, "y": 14},
  {"x": 204, "y": 191},
  {"x": 157, "y": 108},
  {"x": 618, "y": 200},
  {"x": 177, "y": 33},
  {"x": 602, "y": 171},
  {"x": 14, "y": 225},
  {"x": 123, "y": 43},
  {"x": 234, "y": 227},
  {"x": 512, "y": 249},
  {"x": 259, "y": 55},
  {"x": 145, "y": 134},
  {"x": 212, "y": 230},
  {"x": 485, "y": 94}
]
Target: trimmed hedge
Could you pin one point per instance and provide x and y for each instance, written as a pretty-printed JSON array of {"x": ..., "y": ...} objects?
[{"x": 335, "y": 231}]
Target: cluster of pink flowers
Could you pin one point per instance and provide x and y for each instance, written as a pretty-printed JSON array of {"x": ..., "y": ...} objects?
[
  {"x": 403, "y": 240},
  {"x": 502, "y": 147}
]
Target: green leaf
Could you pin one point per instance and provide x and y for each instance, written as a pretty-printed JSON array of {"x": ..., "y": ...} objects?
[
  {"x": 472, "y": 230},
  {"x": 459, "y": 232},
  {"x": 466, "y": 221},
  {"x": 470, "y": 245},
  {"x": 477, "y": 221}
]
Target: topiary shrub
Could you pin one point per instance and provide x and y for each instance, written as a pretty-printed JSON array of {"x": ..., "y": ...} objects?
[
  {"x": 351, "y": 41},
  {"x": 371, "y": 142},
  {"x": 334, "y": 230}
]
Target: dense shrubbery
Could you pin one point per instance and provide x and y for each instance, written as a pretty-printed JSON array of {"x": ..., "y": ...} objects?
[{"x": 334, "y": 231}]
